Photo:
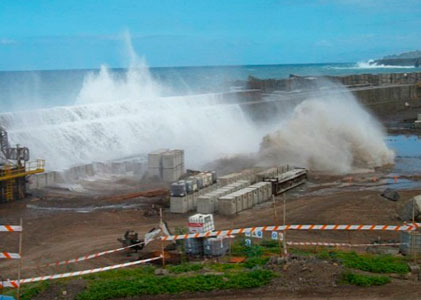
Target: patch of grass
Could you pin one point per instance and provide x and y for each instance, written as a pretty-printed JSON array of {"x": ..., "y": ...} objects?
[
  {"x": 240, "y": 249},
  {"x": 185, "y": 267},
  {"x": 369, "y": 262},
  {"x": 122, "y": 273},
  {"x": 152, "y": 285},
  {"x": 364, "y": 280},
  {"x": 255, "y": 261},
  {"x": 226, "y": 267}
]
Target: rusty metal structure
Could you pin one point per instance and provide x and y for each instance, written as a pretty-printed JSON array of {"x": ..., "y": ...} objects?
[{"x": 15, "y": 167}]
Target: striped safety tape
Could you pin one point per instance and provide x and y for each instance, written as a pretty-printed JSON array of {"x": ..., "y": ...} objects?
[
  {"x": 10, "y": 228},
  {"x": 405, "y": 227},
  {"x": 89, "y": 256},
  {"x": 8, "y": 255},
  {"x": 339, "y": 244},
  {"x": 15, "y": 283},
  {"x": 8, "y": 283}
]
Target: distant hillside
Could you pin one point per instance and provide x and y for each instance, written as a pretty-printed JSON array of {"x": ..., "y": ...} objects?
[
  {"x": 412, "y": 58},
  {"x": 411, "y": 54}
]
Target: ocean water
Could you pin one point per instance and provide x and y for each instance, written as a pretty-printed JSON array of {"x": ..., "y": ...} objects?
[
  {"x": 72, "y": 117},
  {"x": 23, "y": 90}
]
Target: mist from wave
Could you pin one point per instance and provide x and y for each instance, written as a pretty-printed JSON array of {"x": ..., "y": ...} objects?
[
  {"x": 369, "y": 65},
  {"x": 114, "y": 117}
]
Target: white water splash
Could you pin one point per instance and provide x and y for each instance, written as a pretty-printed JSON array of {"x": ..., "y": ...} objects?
[{"x": 330, "y": 132}]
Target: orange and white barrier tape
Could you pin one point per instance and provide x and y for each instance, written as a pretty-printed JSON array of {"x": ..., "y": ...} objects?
[
  {"x": 16, "y": 283},
  {"x": 8, "y": 284},
  {"x": 405, "y": 227},
  {"x": 8, "y": 255},
  {"x": 10, "y": 228},
  {"x": 327, "y": 244},
  {"x": 87, "y": 257}
]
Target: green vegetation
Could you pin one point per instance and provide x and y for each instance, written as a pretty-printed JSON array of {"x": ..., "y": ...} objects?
[
  {"x": 368, "y": 262},
  {"x": 152, "y": 285},
  {"x": 240, "y": 249},
  {"x": 226, "y": 267},
  {"x": 364, "y": 280},
  {"x": 185, "y": 267},
  {"x": 255, "y": 261}
]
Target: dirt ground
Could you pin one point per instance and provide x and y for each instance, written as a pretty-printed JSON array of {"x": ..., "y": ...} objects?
[{"x": 61, "y": 224}]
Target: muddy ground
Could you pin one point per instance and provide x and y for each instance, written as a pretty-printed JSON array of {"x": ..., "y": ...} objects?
[{"x": 61, "y": 224}]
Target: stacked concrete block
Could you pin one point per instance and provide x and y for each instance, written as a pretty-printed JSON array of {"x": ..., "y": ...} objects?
[
  {"x": 172, "y": 165},
  {"x": 168, "y": 165},
  {"x": 208, "y": 203},
  {"x": 227, "y": 205},
  {"x": 180, "y": 205},
  {"x": 155, "y": 162},
  {"x": 244, "y": 198}
]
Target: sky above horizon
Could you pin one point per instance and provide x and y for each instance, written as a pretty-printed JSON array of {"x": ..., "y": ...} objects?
[{"x": 72, "y": 34}]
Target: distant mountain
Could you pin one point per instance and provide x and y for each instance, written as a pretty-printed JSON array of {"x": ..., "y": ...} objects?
[
  {"x": 412, "y": 58},
  {"x": 411, "y": 54}
]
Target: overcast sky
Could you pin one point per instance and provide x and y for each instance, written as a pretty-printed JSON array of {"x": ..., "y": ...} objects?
[{"x": 67, "y": 34}]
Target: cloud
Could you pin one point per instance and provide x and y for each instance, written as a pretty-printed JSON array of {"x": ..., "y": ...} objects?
[{"x": 4, "y": 41}]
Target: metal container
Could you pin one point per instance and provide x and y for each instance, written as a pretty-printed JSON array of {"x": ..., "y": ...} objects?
[
  {"x": 193, "y": 246},
  {"x": 178, "y": 189},
  {"x": 216, "y": 246}
]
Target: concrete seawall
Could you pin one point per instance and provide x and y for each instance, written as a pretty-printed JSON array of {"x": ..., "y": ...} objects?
[
  {"x": 131, "y": 167},
  {"x": 380, "y": 93}
]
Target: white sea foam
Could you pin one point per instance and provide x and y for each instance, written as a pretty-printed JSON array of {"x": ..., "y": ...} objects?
[{"x": 369, "y": 65}]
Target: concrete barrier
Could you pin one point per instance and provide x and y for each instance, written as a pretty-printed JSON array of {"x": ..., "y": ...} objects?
[{"x": 76, "y": 173}]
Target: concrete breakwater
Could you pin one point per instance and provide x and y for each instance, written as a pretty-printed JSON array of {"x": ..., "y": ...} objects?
[
  {"x": 136, "y": 166},
  {"x": 311, "y": 82},
  {"x": 381, "y": 93}
]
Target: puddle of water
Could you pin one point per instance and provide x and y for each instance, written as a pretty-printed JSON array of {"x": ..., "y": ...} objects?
[
  {"x": 87, "y": 209},
  {"x": 408, "y": 153}
]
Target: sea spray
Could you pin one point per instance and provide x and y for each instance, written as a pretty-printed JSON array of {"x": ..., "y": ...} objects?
[
  {"x": 119, "y": 115},
  {"x": 329, "y": 132}
]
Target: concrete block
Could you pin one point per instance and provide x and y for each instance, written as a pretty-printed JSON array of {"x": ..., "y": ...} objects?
[
  {"x": 170, "y": 160},
  {"x": 154, "y": 172},
  {"x": 50, "y": 178},
  {"x": 205, "y": 205},
  {"x": 170, "y": 175},
  {"x": 245, "y": 196},
  {"x": 239, "y": 203},
  {"x": 33, "y": 182},
  {"x": 227, "y": 206},
  {"x": 42, "y": 180},
  {"x": 179, "y": 205},
  {"x": 190, "y": 202},
  {"x": 155, "y": 158},
  {"x": 89, "y": 170}
]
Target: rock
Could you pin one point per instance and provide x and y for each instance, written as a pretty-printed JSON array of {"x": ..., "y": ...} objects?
[
  {"x": 281, "y": 260},
  {"x": 391, "y": 194},
  {"x": 161, "y": 272},
  {"x": 413, "y": 206},
  {"x": 415, "y": 269}
]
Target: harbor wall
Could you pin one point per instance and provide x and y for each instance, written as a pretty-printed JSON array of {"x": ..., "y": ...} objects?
[{"x": 53, "y": 178}]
